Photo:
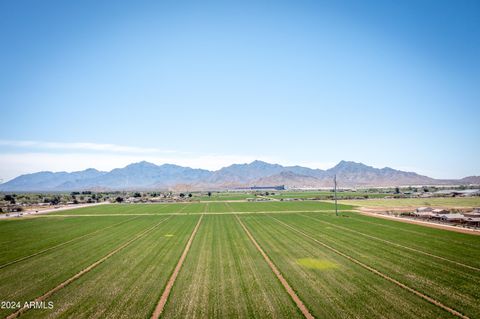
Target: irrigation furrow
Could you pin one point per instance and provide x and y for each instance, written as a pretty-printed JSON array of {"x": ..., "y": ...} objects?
[
  {"x": 166, "y": 293},
  {"x": 379, "y": 273},
  {"x": 279, "y": 275},
  {"x": 43, "y": 297},
  {"x": 395, "y": 244},
  {"x": 64, "y": 243}
]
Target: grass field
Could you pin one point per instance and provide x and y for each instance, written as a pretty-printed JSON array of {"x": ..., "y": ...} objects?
[
  {"x": 416, "y": 202},
  {"x": 327, "y": 194},
  {"x": 200, "y": 208},
  {"x": 232, "y": 196},
  {"x": 114, "y": 261}
]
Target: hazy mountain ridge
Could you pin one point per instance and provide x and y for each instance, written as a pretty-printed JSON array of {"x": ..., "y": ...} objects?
[{"x": 145, "y": 175}]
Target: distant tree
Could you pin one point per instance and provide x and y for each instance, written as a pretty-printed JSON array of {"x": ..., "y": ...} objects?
[
  {"x": 397, "y": 190},
  {"x": 267, "y": 193},
  {"x": 55, "y": 200},
  {"x": 9, "y": 198},
  {"x": 119, "y": 199},
  {"x": 182, "y": 195},
  {"x": 425, "y": 190},
  {"x": 137, "y": 195},
  {"x": 74, "y": 193},
  {"x": 209, "y": 194},
  {"x": 190, "y": 195},
  {"x": 75, "y": 201}
]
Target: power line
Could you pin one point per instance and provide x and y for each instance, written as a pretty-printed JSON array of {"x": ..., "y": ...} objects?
[{"x": 335, "y": 189}]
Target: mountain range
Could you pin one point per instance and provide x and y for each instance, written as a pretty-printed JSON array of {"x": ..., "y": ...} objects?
[{"x": 148, "y": 176}]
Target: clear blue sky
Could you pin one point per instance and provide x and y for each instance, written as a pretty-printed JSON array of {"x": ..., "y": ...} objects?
[{"x": 206, "y": 84}]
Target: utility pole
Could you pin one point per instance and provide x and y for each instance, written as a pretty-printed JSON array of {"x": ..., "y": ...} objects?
[{"x": 335, "y": 189}]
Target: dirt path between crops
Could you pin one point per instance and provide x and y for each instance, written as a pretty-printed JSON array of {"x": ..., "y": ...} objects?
[
  {"x": 166, "y": 293},
  {"x": 279, "y": 275},
  {"x": 379, "y": 273},
  {"x": 43, "y": 297},
  {"x": 394, "y": 244},
  {"x": 369, "y": 212}
]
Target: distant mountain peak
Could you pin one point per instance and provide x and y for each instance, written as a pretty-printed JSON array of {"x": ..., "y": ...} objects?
[
  {"x": 146, "y": 175},
  {"x": 142, "y": 164}
]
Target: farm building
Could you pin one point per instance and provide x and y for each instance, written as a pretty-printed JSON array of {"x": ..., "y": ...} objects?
[
  {"x": 424, "y": 209},
  {"x": 474, "y": 221},
  {"x": 277, "y": 188},
  {"x": 451, "y": 217},
  {"x": 456, "y": 192},
  {"x": 424, "y": 214},
  {"x": 474, "y": 214}
]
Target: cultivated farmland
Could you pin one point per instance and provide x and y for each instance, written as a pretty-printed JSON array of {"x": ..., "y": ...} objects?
[{"x": 234, "y": 259}]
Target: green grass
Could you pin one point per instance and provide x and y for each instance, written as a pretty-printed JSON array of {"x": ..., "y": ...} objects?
[
  {"x": 128, "y": 284},
  {"x": 452, "y": 284},
  {"x": 346, "y": 290},
  {"x": 224, "y": 275},
  {"x": 20, "y": 238},
  {"x": 225, "y": 196},
  {"x": 327, "y": 195},
  {"x": 417, "y": 202},
  {"x": 198, "y": 208},
  {"x": 30, "y": 278}
]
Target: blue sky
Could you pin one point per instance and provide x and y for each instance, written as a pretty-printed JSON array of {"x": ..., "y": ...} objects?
[{"x": 104, "y": 83}]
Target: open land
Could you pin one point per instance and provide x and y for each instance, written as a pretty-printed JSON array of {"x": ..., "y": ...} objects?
[
  {"x": 412, "y": 203},
  {"x": 235, "y": 259}
]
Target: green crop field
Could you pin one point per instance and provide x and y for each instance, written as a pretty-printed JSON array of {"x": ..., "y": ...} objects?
[
  {"x": 327, "y": 194},
  {"x": 234, "y": 259}
]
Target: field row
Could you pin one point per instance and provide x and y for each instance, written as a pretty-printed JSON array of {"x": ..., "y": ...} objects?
[
  {"x": 200, "y": 208},
  {"x": 321, "y": 256}
]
